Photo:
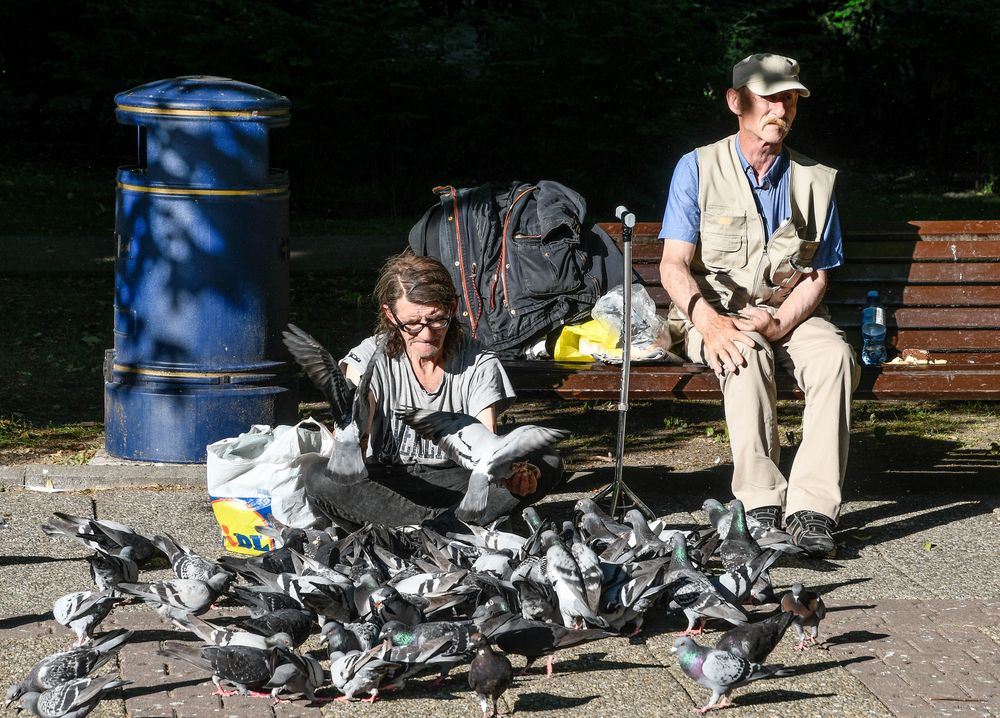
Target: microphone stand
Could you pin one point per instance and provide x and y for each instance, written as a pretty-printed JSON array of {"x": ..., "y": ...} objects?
[{"x": 618, "y": 487}]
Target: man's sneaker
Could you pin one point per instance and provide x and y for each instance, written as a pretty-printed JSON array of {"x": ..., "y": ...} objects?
[
  {"x": 767, "y": 516},
  {"x": 811, "y": 532}
]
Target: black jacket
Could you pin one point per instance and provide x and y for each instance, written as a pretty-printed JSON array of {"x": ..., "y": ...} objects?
[{"x": 524, "y": 259}]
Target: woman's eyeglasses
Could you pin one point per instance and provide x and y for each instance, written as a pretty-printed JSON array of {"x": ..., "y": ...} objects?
[{"x": 414, "y": 328}]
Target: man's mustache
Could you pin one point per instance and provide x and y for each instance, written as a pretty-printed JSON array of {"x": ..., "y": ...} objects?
[{"x": 777, "y": 121}]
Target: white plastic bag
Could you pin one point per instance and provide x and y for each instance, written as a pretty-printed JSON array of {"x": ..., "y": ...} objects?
[
  {"x": 651, "y": 340},
  {"x": 261, "y": 474}
]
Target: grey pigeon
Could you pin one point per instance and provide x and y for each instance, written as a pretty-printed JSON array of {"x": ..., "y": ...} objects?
[
  {"x": 70, "y": 665},
  {"x": 215, "y": 635},
  {"x": 346, "y": 468},
  {"x": 808, "y": 609},
  {"x": 298, "y": 674},
  {"x": 739, "y": 583},
  {"x": 490, "y": 675},
  {"x": 692, "y": 592},
  {"x": 519, "y": 636},
  {"x": 737, "y": 547},
  {"x": 490, "y": 458},
  {"x": 361, "y": 672},
  {"x": 766, "y": 536},
  {"x": 719, "y": 671},
  {"x": 387, "y": 604},
  {"x": 179, "y": 597},
  {"x": 107, "y": 536},
  {"x": 296, "y": 622},
  {"x": 566, "y": 578},
  {"x": 755, "y": 641},
  {"x": 280, "y": 560},
  {"x": 346, "y": 637},
  {"x": 74, "y": 699},
  {"x": 589, "y": 506},
  {"x": 108, "y": 570},
  {"x": 262, "y": 602},
  {"x": 82, "y": 612},
  {"x": 244, "y": 667},
  {"x": 185, "y": 562},
  {"x": 536, "y": 595},
  {"x": 454, "y": 643}
]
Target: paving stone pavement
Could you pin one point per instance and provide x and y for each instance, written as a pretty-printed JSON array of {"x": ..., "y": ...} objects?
[{"x": 911, "y": 631}]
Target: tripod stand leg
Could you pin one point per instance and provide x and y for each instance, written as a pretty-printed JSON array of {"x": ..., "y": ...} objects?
[{"x": 617, "y": 504}]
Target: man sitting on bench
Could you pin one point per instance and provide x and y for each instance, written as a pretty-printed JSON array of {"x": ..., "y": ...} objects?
[{"x": 750, "y": 230}]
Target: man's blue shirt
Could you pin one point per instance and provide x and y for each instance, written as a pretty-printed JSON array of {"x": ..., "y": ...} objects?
[{"x": 682, "y": 216}]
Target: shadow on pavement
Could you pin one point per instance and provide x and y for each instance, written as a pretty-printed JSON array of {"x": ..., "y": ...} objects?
[
  {"x": 852, "y": 637},
  {"x": 546, "y": 701}
]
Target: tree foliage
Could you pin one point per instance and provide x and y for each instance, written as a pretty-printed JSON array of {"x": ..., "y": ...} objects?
[{"x": 392, "y": 98}]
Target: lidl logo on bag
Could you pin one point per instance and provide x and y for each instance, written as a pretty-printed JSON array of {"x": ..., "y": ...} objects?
[{"x": 238, "y": 519}]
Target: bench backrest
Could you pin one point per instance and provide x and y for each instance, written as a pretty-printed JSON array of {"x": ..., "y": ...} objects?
[{"x": 939, "y": 282}]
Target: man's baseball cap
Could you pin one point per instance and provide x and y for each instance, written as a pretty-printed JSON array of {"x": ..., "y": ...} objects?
[{"x": 767, "y": 74}]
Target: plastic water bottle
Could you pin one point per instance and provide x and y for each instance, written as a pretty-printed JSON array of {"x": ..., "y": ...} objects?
[{"x": 873, "y": 331}]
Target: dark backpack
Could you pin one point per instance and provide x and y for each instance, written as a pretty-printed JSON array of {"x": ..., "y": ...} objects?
[{"x": 524, "y": 259}]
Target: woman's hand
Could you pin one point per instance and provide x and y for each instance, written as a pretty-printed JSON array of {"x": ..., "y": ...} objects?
[{"x": 524, "y": 480}]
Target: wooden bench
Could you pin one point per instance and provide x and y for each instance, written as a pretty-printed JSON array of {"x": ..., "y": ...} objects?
[{"x": 939, "y": 282}]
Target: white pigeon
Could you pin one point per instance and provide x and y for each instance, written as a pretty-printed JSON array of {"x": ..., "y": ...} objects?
[{"x": 489, "y": 457}]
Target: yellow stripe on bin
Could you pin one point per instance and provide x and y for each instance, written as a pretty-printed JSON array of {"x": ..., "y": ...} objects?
[
  {"x": 202, "y": 192},
  {"x": 179, "y": 374},
  {"x": 178, "y": 112}
]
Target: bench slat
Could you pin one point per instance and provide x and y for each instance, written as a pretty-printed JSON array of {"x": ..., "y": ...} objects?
[
  {"x": 915, "y": 295},
  {"x": 655, "y": 382},
  {"x": 925, "y": 317}
]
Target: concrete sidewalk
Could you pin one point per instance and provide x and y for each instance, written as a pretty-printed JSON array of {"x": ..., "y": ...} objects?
[{"x": 914, "y": 626}]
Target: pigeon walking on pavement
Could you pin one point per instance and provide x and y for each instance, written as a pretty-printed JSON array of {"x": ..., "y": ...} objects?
[
  {"x": 755, "y": 641},
  {"x": 107, "y": 536},
  {"x": 83, "y": 611},
  {"x": 185, "y": 562},
  {"x": 74, "y": 699},
  {"x": 808, "y": 609},
  {"x": 490, "y": 458},
  {"x": 490, "y": 675},
  {"x": 361, "y": 672},
  {"x": 66, "y": 666},
  {"x": 719, "y": 671},
  {"x": 246, "y": 668},
  {"x": 180, "y": 597},
  {"x": 108, "y": 570}
]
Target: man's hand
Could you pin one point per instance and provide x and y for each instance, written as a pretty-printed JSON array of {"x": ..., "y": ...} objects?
[
  {"x": 524, "y": 480},
  {"x": 720, "y": 335},
  {"x": 755, "y": 319}
]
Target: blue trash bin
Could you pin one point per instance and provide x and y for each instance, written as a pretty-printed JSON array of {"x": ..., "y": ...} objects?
[{"x": 201, "y": 272}]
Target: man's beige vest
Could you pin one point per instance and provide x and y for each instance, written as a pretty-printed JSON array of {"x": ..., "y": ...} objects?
[{"x": 733, "y": 264}]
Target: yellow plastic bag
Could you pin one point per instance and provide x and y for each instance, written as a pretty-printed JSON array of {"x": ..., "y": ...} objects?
[{"x": 579, "y": 342}]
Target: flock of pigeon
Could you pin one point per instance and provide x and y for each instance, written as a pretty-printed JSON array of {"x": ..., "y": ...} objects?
[
  {"x": 391, "y": 603},
  {"x": 394, "y": 602}
]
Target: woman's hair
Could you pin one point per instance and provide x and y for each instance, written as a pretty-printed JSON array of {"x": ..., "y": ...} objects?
[{"x": 421, "y": 280}]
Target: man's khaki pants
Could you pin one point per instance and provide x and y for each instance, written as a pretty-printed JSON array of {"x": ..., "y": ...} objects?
[{"x": 825, "y": 367}]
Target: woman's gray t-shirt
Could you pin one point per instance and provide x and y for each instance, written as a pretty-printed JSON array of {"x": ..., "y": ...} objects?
[{"x": 473, "y": 380}]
